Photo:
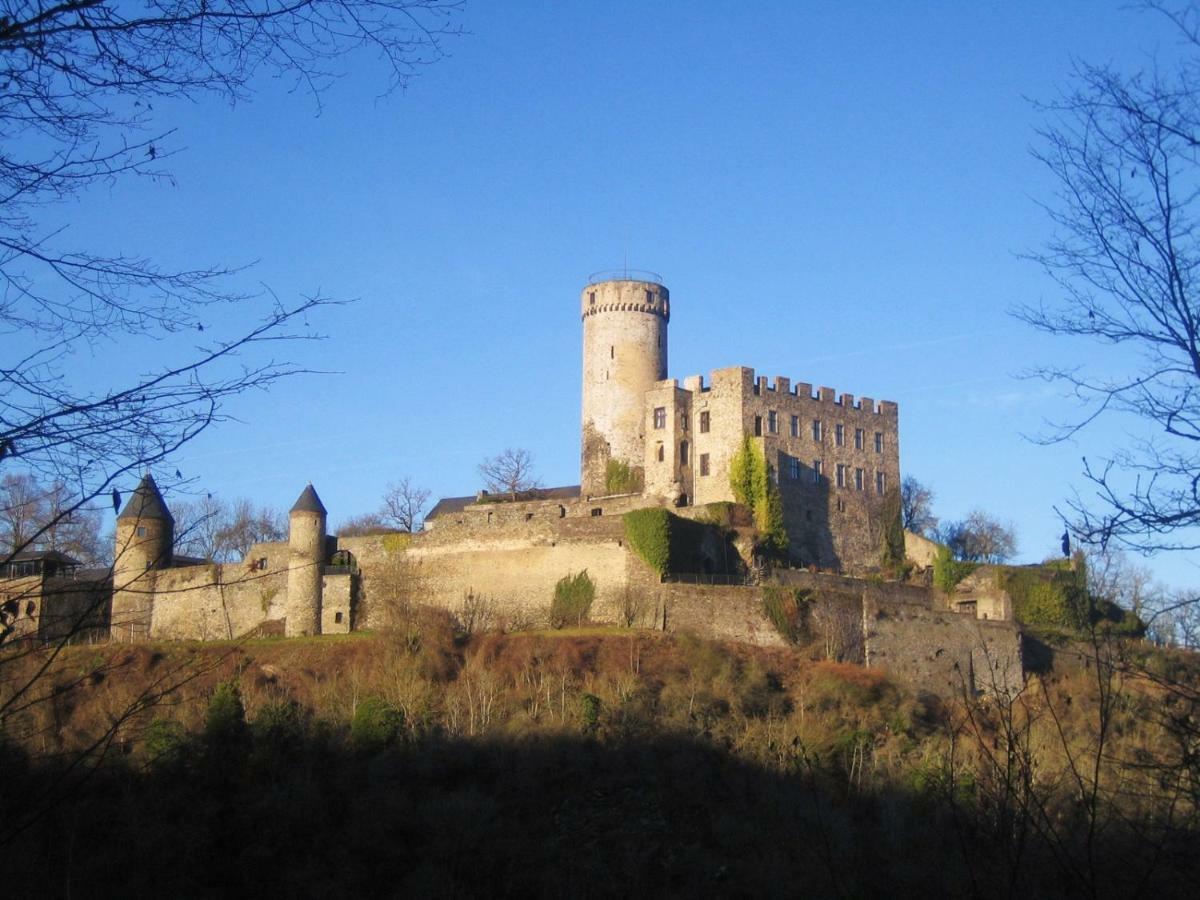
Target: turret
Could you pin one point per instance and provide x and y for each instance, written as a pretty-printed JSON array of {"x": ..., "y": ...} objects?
[
  {"x": 144, "y": 540},
  {"x": 306, "y": 557},
  {"x": 624, "y": 355}
]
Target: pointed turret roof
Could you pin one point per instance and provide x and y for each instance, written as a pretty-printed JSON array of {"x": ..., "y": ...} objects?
[
  {"x": 308, "y": 501},
  {"x": 146, "y": 502}
]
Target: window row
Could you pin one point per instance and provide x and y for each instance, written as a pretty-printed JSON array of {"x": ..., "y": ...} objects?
[{"x": 843, "y": 476}]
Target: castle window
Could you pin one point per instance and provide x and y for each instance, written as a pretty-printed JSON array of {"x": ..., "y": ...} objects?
[
  {"x": 592, "y": 298},
  {"x": 141, "y": 531},
  {"x": 879, "y": 442},
  {"x": 858, "y": 479},
  {"x": 683, "y": 453},
  {"x": 30, "y": 609},
  {"x": 793, "y": 468},
  {"x": 660, "y": 417},
  {"x": 612, "y": 351},
  {"x": 859, "y": 438},
  {"x": 683, "y": 421},
  {"x": 880, "y": 482},
  {"x": 841, "y": 475},
  {"x": 772, "y": 421},
  {"x": 839, "y": 435},
  {"x": 703, "y": 463},
  {"x": 261, "y": 565},
  {"x": 795, "y": 426},
  {"x": 704, "y": 422},
  {"x": 758, "y": 426},
  {"x": 816, "y": 429},
  {"x": 817, "y": 467},
  {"x": 337, "y": 618},
  {"x": 650, "y": 297},
  {"x": 597, "y": 512},
  {"x": 661, "y": 454}
]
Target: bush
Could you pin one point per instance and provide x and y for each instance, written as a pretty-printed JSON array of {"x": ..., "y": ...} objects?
[
  {"x": 948, "y": 571},
  {"x": 225, "y": 721},
  {"x": 573, "y": 596},
  {"x": 590, "y": 712},
  {"x": 1048, "y": 597},
  {"x": 376, "y": 724},
  {"x": 165, "y": 741}
]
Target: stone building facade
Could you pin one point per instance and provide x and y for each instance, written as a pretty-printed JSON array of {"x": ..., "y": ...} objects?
[{"x": 835, "y": 459}]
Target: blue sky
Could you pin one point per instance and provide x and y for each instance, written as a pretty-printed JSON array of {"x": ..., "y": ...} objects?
[{"x": 837, "y": 193}]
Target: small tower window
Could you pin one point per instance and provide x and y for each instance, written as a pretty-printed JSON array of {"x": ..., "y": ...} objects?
[
  {"x": 704, "y": 422},
  {"x": 660, "y": 417},
  {"x": 141, "y": 531},
  {"x": 592, "y": 298},
  {"x": 661, "y": 454},
  {"x": 816, "y": 429},
  {"x": 859, "y": 439},
  {"x": 879, "y": 442},
  {"x": 683, "y": 453},
  {"x": 650, "y": 297},
  {"x": 795, "y": 426},
  {"x": 773, "y": 421},
  {"x": 612, "y": 352},
  {"x": 858, "y": 479},
  {"x": 683, "y": 421},
  {"x": 880, "y": 482},
  {"x": 337, "y": 618},
  {"x": 758, "y": 426},
  {"x": 703, "y": 463},
  {"x": 839, "y": 435},
  {"x": 817, "y": 466}
]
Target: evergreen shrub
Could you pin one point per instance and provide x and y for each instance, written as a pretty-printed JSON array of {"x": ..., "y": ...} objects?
[{"x": 573, "y": 596}]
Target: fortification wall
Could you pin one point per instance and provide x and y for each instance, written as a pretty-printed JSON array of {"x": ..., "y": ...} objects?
[
  {"x": 723, "y": 612},
  {"x": 214, "y": 601},
  {"x": 940, "y": 651}
]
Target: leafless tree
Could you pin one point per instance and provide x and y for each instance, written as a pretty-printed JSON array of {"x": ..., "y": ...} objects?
[
  {"x": 32, "y": 518},
  {"x": 979, "y": 538},
  {"x": 404, "y": 505},
  {"x": 509, "y": 472},
  {"x": 1125, "y": 152},
  {"x": 916, "y": 507},
  {"x": 78, "y": 83},
  {"x": 367, "y": 523}
]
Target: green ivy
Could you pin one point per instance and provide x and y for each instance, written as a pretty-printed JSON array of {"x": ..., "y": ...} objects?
[
  {"x": 753, "y": 487},
  {"x": 892, "y": 552},
  {"x": 649, "y": 534},
  {"x": 619, "y": 478},
  {"x": 948, "y": 571}
]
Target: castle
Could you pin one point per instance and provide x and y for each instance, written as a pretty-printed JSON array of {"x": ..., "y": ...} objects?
[{"x": 646, "y": 441}]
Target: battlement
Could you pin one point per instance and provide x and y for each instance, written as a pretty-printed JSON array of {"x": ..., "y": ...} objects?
[
  {"x": 762, "y": 386},
  {"x": 626, "y": 295}
]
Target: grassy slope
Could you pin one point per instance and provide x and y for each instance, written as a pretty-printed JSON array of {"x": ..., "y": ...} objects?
[{"x": 698, "y": 767}]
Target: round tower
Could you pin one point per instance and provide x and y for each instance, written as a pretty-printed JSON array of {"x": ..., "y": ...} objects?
[
  {"x": 145, "y": 536},
  {"x": 624, "y": 354},
  {"x": 306, "y": 556}
]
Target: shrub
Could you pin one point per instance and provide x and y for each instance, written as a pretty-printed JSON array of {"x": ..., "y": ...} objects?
[
  {"x": 376, "y": 724},
  {"x": 948, "y": 571},
  {"x": 590, "y": 712},
  {"x": 892, "y": 530},
  {"x": 573, "y": 596},
  {"x": 165, "y": 740},
  {"x": 1048, "y": 597},
  {"x": 648, "y": 533},
  {"x": 225, "y": 721}
]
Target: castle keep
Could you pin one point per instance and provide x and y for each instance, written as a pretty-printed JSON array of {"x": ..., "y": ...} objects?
[{"x": 646, "y": 441}]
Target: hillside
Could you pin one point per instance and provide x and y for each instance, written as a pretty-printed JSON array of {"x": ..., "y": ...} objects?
[{"x": 588, "y": 762}]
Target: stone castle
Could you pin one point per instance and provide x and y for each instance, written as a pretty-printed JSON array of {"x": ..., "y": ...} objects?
[{"x": 647, "y": 441}]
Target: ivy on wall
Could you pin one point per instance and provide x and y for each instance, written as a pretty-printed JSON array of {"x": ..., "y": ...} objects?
[
  {"x": 753, "y": 487},
  {"x": 619, "y": 478},
  {"x": 649, "y": 534}
]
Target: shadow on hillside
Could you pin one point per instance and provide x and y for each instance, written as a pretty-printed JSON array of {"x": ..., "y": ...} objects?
[{"x": 304, "y": 815}]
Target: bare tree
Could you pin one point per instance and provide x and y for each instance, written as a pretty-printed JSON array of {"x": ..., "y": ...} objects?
[
  {"x": 979, "y": 538},
  {"x": 78, "y": 81},
  {"x": 916, "y": 507},
  {"x": 32, "y": 517},
  {"x": 1125, "y": 151},
  {"x": 404, "y": 505},
  {"x": 509, "y": 472}
]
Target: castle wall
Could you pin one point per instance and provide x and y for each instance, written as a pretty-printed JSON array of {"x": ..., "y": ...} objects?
[
  {"x": 670, "y": 449},
  {"x": 940, "y": 651}
]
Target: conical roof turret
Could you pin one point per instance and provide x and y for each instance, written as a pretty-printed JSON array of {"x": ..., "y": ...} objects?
[
  {"x": 146, "y": 502},
  {"x": 308, "y": 501}
]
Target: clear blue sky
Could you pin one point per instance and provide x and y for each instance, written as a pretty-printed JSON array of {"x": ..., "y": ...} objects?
[{"x": 837, "y": 193}]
